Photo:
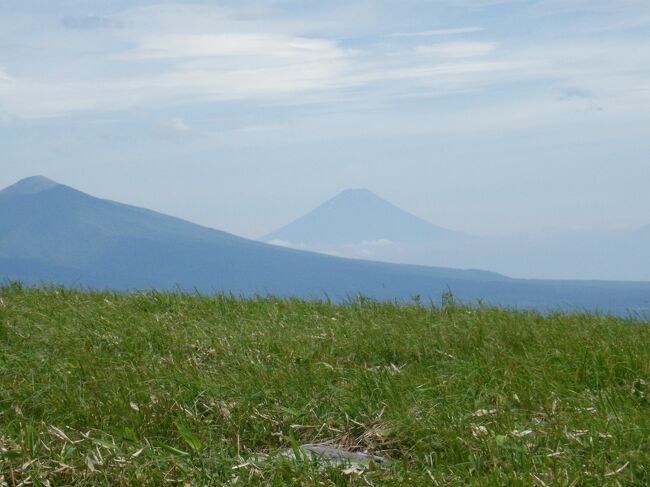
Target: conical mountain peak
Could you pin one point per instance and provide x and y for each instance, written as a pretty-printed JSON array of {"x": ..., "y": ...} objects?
[
  {"x": 30, "y": 185},
  {"x": 358, "y": 215},
  {"x": 359, "y": 191},
  {"x": 358, "y": 196}
]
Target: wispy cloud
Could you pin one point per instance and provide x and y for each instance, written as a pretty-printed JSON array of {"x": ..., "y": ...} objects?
[
  {"x": 261, "y": 45},
  {"x": 457, "y": 49},
  {"x": 175, "y": 54},
  {"x": 439, "y": 32}
]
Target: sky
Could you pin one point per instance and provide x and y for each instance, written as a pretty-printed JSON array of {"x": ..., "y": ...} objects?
[{"x": 491, "y": 117}]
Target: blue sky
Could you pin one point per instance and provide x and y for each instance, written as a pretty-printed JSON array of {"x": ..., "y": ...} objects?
[{"x": 485, "y": 116}]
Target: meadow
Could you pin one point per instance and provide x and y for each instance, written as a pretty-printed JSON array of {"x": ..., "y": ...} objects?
[{"x": 152, "y": 388}]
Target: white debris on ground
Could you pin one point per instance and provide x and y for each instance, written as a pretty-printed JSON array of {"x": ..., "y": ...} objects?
[{"x": 336, "y": 456}]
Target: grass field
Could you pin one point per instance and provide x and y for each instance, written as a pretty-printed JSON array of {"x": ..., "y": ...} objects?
[{"x": 156, "y": 388}]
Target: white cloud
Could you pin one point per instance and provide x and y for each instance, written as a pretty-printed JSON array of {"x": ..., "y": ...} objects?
[
  {"x": 285, "y": 243},
  {"x": 174, "y": 68},
  {"x": 234, "y": 45},
  {"x": 439, "y": 32},
  {"x": 457, "y": 49},
  {"x": 166, "y": 55},
  {"x": 4, "y": 76}
]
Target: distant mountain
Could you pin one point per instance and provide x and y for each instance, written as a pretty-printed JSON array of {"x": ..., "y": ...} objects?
[
  {"x": 51, "y": 233},
  {"x": 355, "y": 216},
  {"x": 358, "y": 224}
]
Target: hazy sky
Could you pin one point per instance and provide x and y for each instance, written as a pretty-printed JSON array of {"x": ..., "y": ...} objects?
[{"x": 485, "y": 116}]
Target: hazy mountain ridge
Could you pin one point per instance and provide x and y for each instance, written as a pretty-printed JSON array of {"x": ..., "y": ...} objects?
[
  {"x": 42, "y": 221},
  {"x": 53, "y": 233}
]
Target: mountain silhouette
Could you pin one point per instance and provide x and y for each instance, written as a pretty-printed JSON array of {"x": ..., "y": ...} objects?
[
  {"x": 355, "y": 216},
  {"x": 48, "y": 228},
  {"x": 53, "y": 234}
]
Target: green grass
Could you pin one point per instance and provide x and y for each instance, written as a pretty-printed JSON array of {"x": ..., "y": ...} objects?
[{"x": 157, "y": 388}]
